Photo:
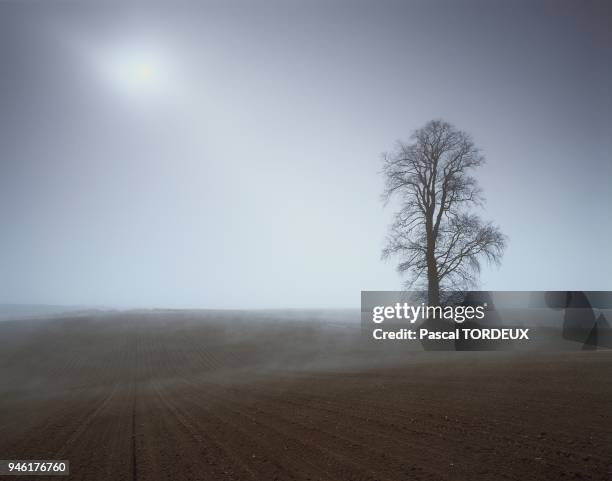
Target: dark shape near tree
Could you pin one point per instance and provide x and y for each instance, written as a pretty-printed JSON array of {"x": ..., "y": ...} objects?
[{"x": 440, "y": 244}]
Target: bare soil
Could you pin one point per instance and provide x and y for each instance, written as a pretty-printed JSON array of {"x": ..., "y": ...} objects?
[{"x": 232, "y": 396}]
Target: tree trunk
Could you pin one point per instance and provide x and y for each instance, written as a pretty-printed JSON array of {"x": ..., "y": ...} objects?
[{"x": 433, "y": 283}]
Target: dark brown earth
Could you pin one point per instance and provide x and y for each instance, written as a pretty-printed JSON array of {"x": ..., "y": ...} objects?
[{"x": 227, "y": 396}]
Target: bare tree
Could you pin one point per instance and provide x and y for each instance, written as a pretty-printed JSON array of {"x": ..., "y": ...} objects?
[{"x": 439, "y": 243}]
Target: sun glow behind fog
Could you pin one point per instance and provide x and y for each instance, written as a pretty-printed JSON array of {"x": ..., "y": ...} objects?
[{"x": 138, "y": 72}]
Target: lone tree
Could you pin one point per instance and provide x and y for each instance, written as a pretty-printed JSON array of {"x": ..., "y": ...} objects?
[{"x": 439, "y": 243}]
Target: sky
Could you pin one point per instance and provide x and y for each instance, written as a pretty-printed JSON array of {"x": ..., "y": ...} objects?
[{"x": 228, "y": 155}]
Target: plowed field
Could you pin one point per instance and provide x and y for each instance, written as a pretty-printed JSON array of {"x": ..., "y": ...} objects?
[{"x": 222, "y": 396}]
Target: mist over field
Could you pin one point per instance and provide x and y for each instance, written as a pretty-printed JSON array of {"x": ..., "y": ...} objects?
[
  {"x": 196, "y": 195},
  {"x": 235, "y": 395}
]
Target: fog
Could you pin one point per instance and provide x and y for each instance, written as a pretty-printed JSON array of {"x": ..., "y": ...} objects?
[{"x": 227, "y": 155}]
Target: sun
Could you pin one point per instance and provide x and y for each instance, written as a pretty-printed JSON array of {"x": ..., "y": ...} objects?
[
  {"x": 136, "y": 72},
  {"x": 144, "y": 72},
  {"x": 140, "y": 76}
]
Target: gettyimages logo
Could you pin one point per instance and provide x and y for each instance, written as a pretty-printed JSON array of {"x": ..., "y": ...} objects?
[{"x": 412, "y": 313}]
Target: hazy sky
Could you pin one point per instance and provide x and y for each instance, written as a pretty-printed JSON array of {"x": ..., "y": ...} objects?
[{"x": 228, "y": 155}]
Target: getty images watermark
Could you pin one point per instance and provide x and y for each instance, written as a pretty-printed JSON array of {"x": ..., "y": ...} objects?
[
  {"x": 487, "y": 320},
  {"x": 451, "y": 313}
]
